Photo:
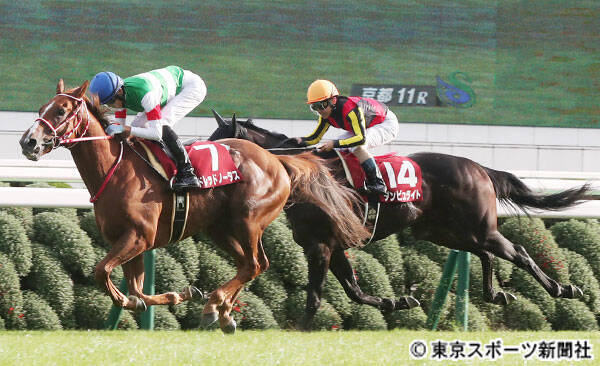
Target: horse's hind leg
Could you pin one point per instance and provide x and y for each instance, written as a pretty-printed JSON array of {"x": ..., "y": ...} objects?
[
  {"x": 250, "y": 262},
  {"x": 489, "y": 294},
  {"x": 502, "y": 247},
  {"x": 342, "y": 269}
]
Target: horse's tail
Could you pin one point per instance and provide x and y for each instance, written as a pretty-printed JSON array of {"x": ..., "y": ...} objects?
[
  {"x": 313, "y": 183},
  {"x": 511, "y": 190}
]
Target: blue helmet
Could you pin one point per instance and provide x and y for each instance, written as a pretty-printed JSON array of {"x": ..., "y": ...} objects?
[{"x": 105, "y": 84}]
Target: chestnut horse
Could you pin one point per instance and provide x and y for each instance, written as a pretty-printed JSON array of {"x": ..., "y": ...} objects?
[
  {"x": 458, "y": 211},
  {"x": 133, "y": 204}
]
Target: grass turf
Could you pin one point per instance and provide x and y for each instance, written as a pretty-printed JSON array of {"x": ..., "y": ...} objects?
[{"x": 253, "y": 347}]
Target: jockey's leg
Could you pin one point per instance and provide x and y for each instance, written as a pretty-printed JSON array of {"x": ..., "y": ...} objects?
[
  {"x": 375, "y": 183},
  {"x": 193, "y": 91},
  {"x": 185, "y": 177}
]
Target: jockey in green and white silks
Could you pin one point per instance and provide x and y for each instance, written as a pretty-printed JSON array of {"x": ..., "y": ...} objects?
[{"x": 161, "y": 97}]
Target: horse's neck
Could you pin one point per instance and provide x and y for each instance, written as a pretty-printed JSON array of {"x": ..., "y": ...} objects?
[{"x": 95, "y": 158}]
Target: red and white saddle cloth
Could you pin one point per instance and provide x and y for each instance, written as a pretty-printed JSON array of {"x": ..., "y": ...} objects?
[
  {"x": 212, "y": 163},
  {"x": 401, "y": 175}
]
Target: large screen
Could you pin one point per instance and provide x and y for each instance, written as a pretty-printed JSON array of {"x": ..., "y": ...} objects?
[{"x": 502, "y": 62}]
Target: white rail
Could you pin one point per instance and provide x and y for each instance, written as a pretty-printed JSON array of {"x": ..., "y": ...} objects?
[{"x": 65, "y": 171}]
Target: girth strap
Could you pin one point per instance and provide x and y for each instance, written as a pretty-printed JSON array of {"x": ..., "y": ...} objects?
[{"x": 181, "y": 204}]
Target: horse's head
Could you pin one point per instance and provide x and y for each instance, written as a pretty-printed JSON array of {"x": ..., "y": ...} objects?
[
  {"x": 251, "y": 132},
  {"x": 59, "y": 119}
]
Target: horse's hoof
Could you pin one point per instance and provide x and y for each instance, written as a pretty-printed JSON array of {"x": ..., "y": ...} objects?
[
  {"x": 407, "y": 302},
  {"x": 139, "y": 304},
  {"x": 504, "y": 298},
  {"x": 572, "y": 292},
  {"x": 208, "y": 319},
  {"x": 230, "y": 327},
  {"x": 193, "y": 293},
  {"x": 388, "y": 305}
]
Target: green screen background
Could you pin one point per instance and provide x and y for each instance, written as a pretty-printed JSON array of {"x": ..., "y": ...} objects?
[{"x": 530, "y": 63}]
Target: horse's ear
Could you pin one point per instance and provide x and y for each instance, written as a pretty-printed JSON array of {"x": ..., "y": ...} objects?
[
  {"x": 250, "y": 121},
  {"x": 79, "y": 92},
  {"x": 60, "y": 87},
  {"x": 219, "y": 119},
  {"x": 233, "y": 121}
]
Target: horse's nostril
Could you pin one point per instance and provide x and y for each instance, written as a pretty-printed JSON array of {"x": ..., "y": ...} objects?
[{"x": 31, "y": 143}]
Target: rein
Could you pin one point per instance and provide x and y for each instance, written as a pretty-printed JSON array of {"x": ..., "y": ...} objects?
[{"x": 108, "y": 176}]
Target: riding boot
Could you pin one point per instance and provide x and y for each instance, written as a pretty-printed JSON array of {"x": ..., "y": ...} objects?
[
  {"x": 185, "y": 177},
  {"x": 374, "y": 183}
]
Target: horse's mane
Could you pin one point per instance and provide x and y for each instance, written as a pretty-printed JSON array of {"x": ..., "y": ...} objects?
[
  {"x": 95, "y": 108},
  {"x": 250, "y": 125},
  {"x": 98, "y": 110}
]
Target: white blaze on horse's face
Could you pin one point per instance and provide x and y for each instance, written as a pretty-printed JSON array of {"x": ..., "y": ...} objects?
[{"x": 39, "y": 139}]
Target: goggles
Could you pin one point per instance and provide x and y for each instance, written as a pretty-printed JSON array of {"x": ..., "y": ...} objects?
[{"x": 319, "y": 106}]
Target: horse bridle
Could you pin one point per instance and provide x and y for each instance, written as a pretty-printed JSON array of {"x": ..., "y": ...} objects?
[{"x": 64, "y": 139}]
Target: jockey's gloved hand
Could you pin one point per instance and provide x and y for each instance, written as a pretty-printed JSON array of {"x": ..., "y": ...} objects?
[{"x": 114, "y": 129}]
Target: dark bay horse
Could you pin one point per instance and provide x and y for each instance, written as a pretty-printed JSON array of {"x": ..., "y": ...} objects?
[
  {"x": 133, "y": 203},
  {"x": 458, "y": 211}
]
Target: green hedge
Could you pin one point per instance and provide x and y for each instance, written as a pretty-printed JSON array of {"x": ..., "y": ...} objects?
[
  {"x": 50, "y": 280},
  {"x": 523, "y": 314},
  {"x": 170, "y": 277},
  {"x": 414, "y": 319},
  {"x": 68, "y": 240},
  {"x": 334, "y": 293},
  {"x": 285, "y": 256},
  {"x": 14, "y": 243},
  {"x": 88, "y": 223},
  {"x": 365, "y": 317},
  {"x": 24, "y": 215},
  {"x": 582, "y": 238},
  {"x": 213, "y": 270},
  {"x": 539, "y": 243},
  {"x": 55, "y": 293},
  {"x": 269, "y": 287},
  {"x": 92, "y": 308},
  {"x": 370, "y": 274},
  {"x": 11, "y": 300},
  {"x": 186, "y": 254},
  {"x": 422, "y": 274},
  {"x": 582, "y": 276},
  {"x": 38, "y": 313},
  {"x": 524, "y": 283},
  {"x": 250, "y": 312},
  {"x": 164, "y": 319},
  {"x": 388, "y": 253},
  {"x": 572, "y": 314}
]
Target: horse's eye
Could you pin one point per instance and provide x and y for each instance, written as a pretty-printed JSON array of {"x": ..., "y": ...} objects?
[{"x": 61, "y": 111}]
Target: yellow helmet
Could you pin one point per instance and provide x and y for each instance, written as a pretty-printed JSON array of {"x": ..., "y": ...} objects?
[{"x": 321, "y": 90}]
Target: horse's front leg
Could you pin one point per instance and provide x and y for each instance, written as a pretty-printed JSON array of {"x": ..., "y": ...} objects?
[
  {"x": 127, "y": 247},
  {"x": 134, "y": 273},
  {"x": 318, "y": 256}
]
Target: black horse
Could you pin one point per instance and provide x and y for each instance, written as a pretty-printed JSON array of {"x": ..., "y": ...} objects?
[{"x": 458, "y": 210}]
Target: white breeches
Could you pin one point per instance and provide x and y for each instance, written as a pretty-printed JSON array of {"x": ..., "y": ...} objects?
[
  {"x": 378, "y": 135},
  {"x": 193, "y": 91}
]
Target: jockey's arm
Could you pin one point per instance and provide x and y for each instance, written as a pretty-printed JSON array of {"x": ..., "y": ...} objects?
[
  {"x": 358, "y": 123},
  {"x": 318, "y": 133},
  {"x": 150, "y": 130}
]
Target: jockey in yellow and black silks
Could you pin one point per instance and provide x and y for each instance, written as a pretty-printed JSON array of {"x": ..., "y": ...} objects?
[{"x": 367, "y": 122}]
